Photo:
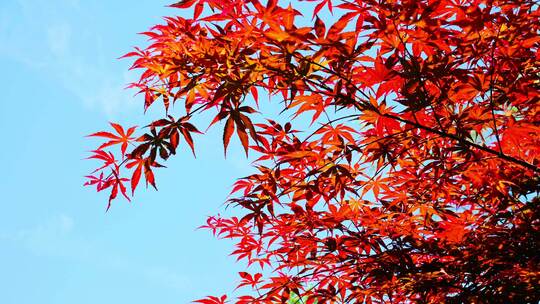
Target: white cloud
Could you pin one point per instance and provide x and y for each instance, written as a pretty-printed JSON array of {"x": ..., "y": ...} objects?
[
  {"x": 58, "y": 37},
  {"x": 45, "y": 239},
  {"x": 57, "y": 237},
  {"x": 112, "y": 97},
  {"x": 47, "y": 38}
]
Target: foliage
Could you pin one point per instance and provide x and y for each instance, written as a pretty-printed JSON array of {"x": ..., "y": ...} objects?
[
  {"x": 295, "y": 299},
  {"x": 418, "y": 179}
]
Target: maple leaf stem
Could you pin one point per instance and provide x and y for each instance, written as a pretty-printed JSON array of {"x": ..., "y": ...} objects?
[
  {"x": 466, "y": 142},
  {"x": 432, "y": 130},
  {"x": 491, "y": 87},
  {"x": 417, "y": 73}
]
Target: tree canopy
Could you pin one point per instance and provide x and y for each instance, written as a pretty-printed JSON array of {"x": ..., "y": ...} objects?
[{"x": 403, "y": 166}]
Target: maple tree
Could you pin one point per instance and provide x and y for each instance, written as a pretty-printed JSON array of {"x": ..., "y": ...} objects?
[{"x": 418, "y": 177}]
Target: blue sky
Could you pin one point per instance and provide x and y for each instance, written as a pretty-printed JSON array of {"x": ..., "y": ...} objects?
[{"x": 61, "y": 81}]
